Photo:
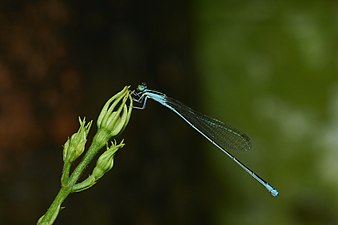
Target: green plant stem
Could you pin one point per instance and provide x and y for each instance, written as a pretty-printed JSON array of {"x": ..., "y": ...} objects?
[
  {"x": 92, "y": 151},
  {"x": 66, "y": 189},
  {"x": 54, "y": 208},
  {"x": 65, "y": 173}
]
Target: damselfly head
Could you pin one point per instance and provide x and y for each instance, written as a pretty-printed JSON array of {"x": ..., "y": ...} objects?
[{"x": 142, "y": 87}]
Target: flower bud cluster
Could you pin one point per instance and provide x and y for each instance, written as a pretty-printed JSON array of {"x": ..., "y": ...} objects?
[{"x": 114, "y": 116}]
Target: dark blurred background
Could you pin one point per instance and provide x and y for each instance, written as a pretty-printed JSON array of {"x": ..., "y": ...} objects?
[{"x": 268, "y": 68}]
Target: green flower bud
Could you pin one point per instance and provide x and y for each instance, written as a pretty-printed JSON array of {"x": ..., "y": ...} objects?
[
  {"x": 75, "y": 145},
  {"x": 114, "y": 116},
  {"x": 106, "y": 161}
]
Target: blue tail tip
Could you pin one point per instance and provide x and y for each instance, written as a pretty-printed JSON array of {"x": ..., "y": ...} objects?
[{"x": 274, "y": 192}]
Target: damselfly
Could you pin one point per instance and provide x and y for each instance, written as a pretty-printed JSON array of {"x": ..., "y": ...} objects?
[{"x": 221, "y": 135}]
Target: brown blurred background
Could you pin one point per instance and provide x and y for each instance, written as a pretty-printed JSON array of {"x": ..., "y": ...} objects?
[{"x": 267, "y": 68}]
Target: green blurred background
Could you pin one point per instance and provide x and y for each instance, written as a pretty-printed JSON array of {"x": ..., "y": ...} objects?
[{"x": 268, "y": 68}]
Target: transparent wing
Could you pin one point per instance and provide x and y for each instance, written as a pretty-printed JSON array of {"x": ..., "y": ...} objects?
[{"x": 215, "y": 131}]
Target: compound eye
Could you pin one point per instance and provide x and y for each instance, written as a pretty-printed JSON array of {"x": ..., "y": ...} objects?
[{"x": 142, "y": 87}]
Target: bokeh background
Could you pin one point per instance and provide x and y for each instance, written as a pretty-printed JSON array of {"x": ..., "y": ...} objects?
[{"x": 268, "y": 68}]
